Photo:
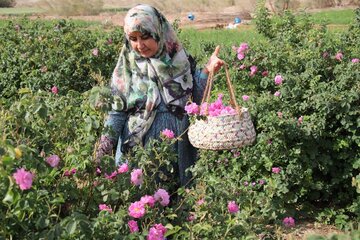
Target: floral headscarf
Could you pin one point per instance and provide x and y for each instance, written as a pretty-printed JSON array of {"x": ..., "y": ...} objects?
[{"x": 139, "y": 84}]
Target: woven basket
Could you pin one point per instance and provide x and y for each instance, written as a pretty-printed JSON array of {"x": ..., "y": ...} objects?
[{"x": 222, "y": 132}]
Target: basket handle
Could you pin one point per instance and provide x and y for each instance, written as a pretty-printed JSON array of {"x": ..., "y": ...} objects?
[{"x": 209, "y": 84}]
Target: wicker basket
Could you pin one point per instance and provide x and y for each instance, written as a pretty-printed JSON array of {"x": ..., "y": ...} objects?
[{"x": 226, "y": 131}]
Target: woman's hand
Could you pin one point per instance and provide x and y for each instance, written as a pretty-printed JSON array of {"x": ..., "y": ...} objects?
[
  {"x": 105, "y": 147},
  {"x": 214, "y": 64}
]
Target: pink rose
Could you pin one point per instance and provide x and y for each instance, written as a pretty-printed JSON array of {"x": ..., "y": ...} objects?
[
  {"x": 162, "y": 196},
  {"x": 168, "y": 133},
  {"x": 355, "y": 60},
  {"x": 137, "y": 177},
  {"x": 200, "y": 201},
  {"x": 277, "y": 94},
  {"x": 289, "y": 222},
  {"x": 243, "y": 47},
  {"x": 242, "y": 66},
  {"x": 276, "y": 170},
  {"x": 54, "y": 90},
  {"x": 111, "y": 176},
  {"x": 278, "y": 80},
  {"x": 204, "y": 109},
  {"x": 339, "y": 56},
  {"x": 133, "y": 226},
  {"x": 253, "y": 70},
  {"x": 245, "y": 97},
  {"x": 233, "y": 207},
  {"x": 53, "y": 160},
  {"x": 23, "y": 178},
  {"x": 137, "y": 209},
  {"x": 192, "y": 109},
  {"x": 157, "y": 232},
  {"x": 191, "y": 217},
  {"x": 148, "y": 200},
  {"x": 228, "y": 111},
  {"x": 104, "y": 207},
  {"x": 95, "y": 52},
  {"x": 241, "y": 56},
  {"x": 123, "y": 168}
]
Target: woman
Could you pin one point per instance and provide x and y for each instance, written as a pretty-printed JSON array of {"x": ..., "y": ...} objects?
[{"x": 151, "y": 83}]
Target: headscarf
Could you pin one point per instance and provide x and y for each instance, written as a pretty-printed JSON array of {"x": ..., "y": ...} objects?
[{"x": 139, "y": 84}]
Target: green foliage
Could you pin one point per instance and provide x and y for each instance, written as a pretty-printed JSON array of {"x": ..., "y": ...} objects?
[
  {"x": 320, "y": 153},
  {"x": 262, "y": 19},
  {"x": 63, "y": 201},
  {"x": 39, "y": 56},
  {"x": 345, "y": 16}
]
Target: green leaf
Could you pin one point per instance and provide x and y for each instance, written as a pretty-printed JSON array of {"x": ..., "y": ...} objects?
[
  {"x": 42, "y": 222},
  {"x": 24, "y": 90},
  {"x": 7, "y": 160},
  {"x": 71, "y": 227},
  {"x": 9, "y": 197},
  {"x": 41, "y": 110},
  {"x": 172, "y": 230}
]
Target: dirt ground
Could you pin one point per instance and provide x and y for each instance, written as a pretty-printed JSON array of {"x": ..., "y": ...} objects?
[
  {"x": 217, "y": 14},
  {"x": 304, "y": 230}
]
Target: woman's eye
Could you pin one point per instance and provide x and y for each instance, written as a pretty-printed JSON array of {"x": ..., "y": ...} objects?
[
  {"x": 132, "y": 39},
  {"x": 145, "y": 36}
]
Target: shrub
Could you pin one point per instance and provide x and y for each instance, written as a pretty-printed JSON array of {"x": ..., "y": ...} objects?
[
  {"x": 39, "y": 55},
  {"x": 311, "y": 129},
  {"x": 7, "y": 3},
  {"x": 74, "y": 198}
]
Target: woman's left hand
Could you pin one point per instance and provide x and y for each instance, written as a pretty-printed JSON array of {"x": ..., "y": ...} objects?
[{"x": 215, "y": 63}]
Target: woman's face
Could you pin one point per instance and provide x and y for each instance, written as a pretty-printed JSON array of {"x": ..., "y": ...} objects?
[{"x": 143, "y": 44}]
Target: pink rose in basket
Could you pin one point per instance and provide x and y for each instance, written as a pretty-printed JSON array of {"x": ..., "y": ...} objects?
[
  {"x": 192, "y": 109},
  {"x": 228, "y": 111},
  {"x": 213, "y": 109},
  {"x": 204, "y": 109}
]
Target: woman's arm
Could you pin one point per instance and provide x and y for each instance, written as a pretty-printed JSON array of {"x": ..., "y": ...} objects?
[
  {"x": 200, "y": 76},
  {"x": 200, "y": 79},
  {"x": 114, "y": 126}
]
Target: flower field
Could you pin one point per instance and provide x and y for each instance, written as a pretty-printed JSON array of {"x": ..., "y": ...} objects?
[{"x": 300, "y": 82}]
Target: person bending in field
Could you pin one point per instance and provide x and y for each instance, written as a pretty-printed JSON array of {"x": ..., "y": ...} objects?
[{"x": 151, "y": 83}]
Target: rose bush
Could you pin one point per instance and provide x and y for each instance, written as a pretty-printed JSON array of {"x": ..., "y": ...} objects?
[{"x": 41, "y": 55}]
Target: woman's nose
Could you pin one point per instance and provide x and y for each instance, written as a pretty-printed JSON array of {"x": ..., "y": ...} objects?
[{"x": 140, "y": 44}]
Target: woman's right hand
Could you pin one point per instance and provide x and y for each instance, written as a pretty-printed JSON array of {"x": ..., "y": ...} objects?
[
  {"x": 215, "y": 63},
  {"x": 105, "y": 147}
]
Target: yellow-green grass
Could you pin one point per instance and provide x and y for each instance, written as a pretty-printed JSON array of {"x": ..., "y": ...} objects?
[
  {"x": 334, "y": 17},
  {"x": 197, "y": 40},
  {"x": 76, "y": 22},
  {"x": 20, "y": 11}
]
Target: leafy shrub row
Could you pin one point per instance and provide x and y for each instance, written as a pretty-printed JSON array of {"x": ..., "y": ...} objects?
[{"x": 37, "y": 56}]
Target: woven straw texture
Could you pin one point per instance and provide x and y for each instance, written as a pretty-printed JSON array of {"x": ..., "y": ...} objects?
[{"x": 222, "y": 132}]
